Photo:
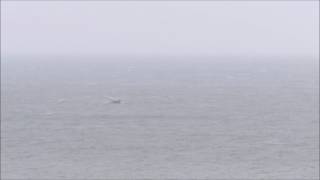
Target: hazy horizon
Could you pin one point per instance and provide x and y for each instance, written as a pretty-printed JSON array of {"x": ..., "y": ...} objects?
[
  {"x": 185, "y": 28},
  {"x": 158, "y": 90}
]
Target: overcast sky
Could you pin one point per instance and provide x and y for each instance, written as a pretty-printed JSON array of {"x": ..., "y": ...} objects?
[{"x": 174, "y": 28}]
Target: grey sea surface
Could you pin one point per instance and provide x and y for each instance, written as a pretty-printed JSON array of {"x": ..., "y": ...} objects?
[{"x": 218, "y": 119}]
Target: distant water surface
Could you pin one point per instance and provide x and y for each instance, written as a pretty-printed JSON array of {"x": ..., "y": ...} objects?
[{"x": 177, "y": 119}]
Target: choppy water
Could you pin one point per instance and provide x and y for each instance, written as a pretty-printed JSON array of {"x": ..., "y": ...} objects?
[{"x": 177, "y": 119}]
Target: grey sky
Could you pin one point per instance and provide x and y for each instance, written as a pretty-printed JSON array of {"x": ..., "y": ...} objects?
[{"x": 160, "y": 28}]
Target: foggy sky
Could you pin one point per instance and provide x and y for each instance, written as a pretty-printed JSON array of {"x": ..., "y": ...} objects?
[{"x": 160, "y": 28}]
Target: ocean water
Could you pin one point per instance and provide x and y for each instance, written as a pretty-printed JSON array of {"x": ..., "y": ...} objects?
[{"x": 195, "y": 118}]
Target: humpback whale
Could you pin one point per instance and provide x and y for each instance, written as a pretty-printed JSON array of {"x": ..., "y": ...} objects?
[{"x": 113, "y": 100}]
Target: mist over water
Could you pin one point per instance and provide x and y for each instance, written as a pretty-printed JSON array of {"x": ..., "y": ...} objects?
[
  {"x": 177, "y": 119},
  {"x": 207, "y": 90}
]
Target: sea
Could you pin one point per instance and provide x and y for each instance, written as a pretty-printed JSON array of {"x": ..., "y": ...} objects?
[{"x": 176, "y": 118}]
